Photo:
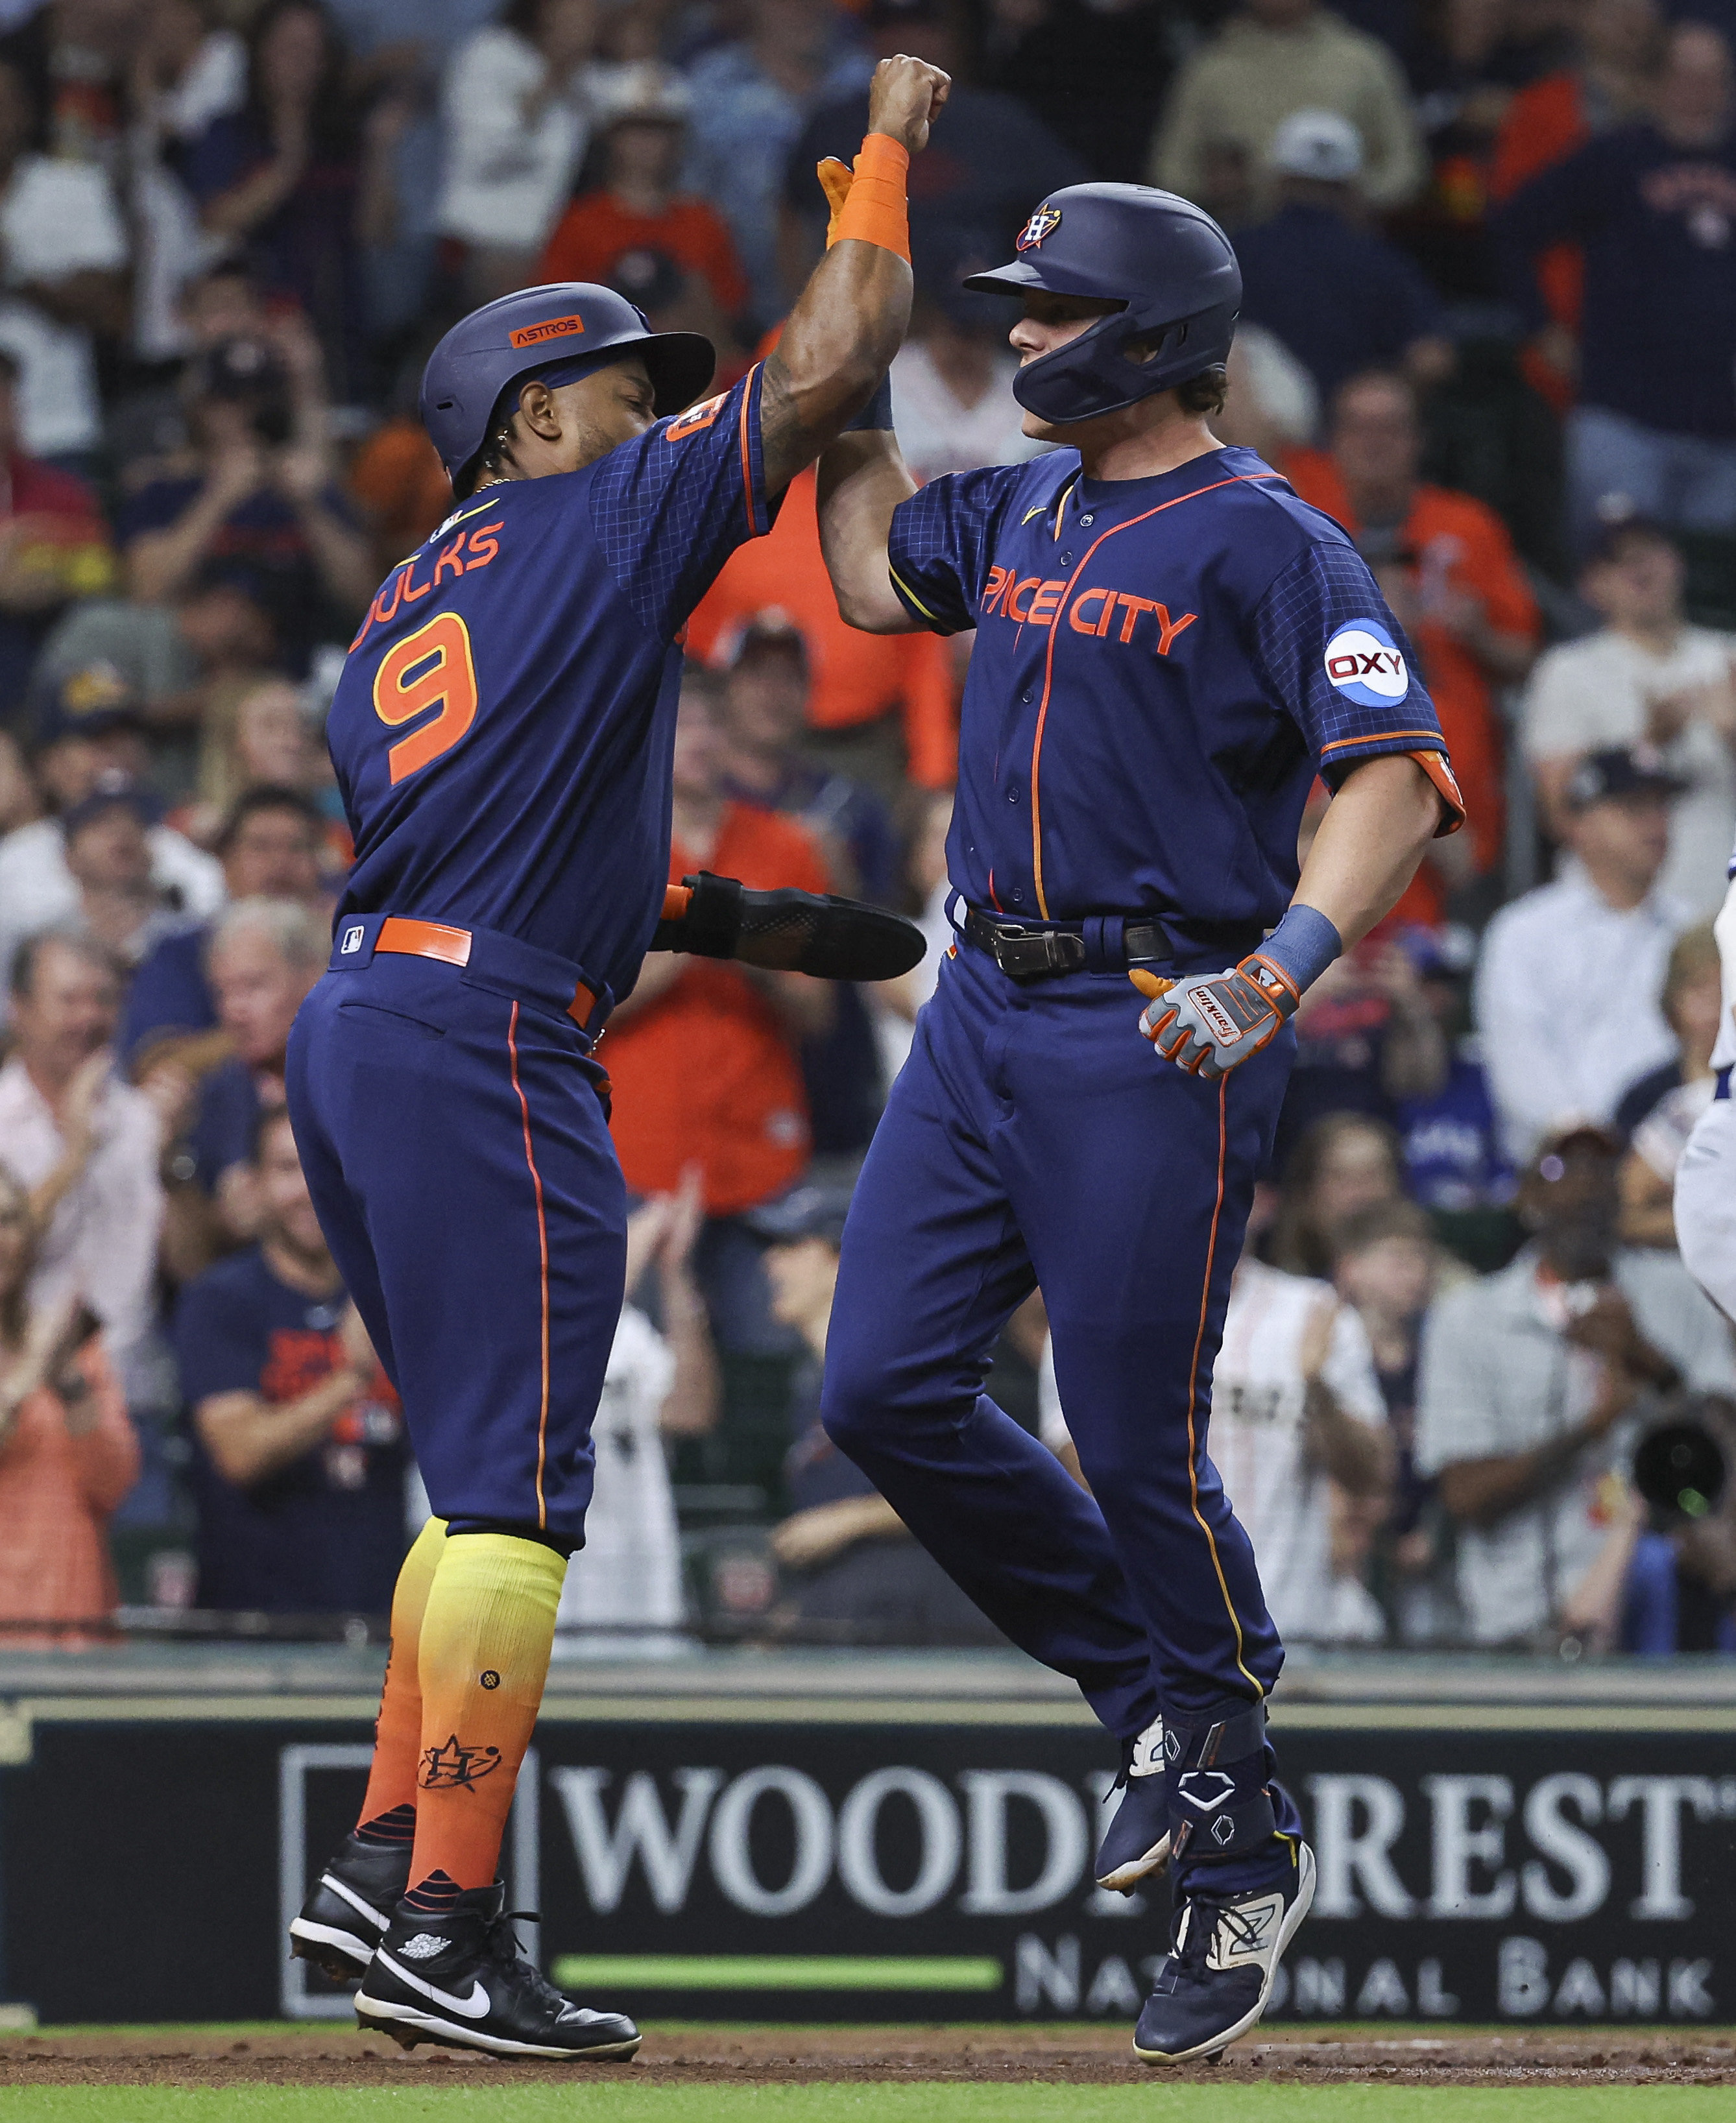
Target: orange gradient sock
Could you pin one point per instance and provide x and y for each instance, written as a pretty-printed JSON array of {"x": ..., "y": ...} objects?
[
  {"x": 397, "y": 1731},
  {"x": 483, "y": 1658}
]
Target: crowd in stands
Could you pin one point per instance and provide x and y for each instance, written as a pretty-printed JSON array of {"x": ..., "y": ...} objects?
[{"x": 1490, "y": 252}]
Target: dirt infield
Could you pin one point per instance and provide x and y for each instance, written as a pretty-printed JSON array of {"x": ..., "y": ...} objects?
[{"x": 688, "y": 2056}]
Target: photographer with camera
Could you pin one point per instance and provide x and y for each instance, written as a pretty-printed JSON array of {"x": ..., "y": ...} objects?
[
  {"x": 1682, "y": 1583},
  {"x": 1534, "y": 1382},
  {"x": 258, "y": 501}
]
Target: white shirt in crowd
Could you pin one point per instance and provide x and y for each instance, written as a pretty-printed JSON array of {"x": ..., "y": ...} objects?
[
  {"x": 101, "y": 1243},
  {"x": 937, "y": 434},
  {"x": 1256, "y": 1440},
  {"x": 56, "y": 219},
  {"x": 38, "y": 891},
  {"x": 1588, "y": 695},
  {"x": 507, "y": 182},
  {"x": 1706, "y": 1174},
  {"x": 629, "y": 1571},
  {"x": 1566, "y": 996}
]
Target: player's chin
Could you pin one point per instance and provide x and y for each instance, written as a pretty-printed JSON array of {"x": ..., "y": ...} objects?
[{"x": 1037, "y": 430}]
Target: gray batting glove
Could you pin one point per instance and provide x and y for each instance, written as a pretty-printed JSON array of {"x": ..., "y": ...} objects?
[{"x": 1208, "y": 1022}]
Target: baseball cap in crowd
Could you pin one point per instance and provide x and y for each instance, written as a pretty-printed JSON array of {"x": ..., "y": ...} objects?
[
  {"x": 112, "y": 792},
  {"x": 647, "y": 93},
  {"x": 1319, "y": 144},
  {"x": 1616, "y": 527},
  {"x": 815, "y": 1209},
  {"x": 771, "y": 628},
  {"x": 89, "y": 701},
  {"x": 1604, "y": 777}
]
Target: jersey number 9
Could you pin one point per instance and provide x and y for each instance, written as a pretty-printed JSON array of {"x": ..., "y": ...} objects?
[{"x": 431, "y": 668}]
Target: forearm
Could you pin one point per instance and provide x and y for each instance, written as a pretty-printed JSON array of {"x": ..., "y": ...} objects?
[
  {"x": 341, "y": 556},
  {"x": 690, "y": 1409},
  {"x": 239, "y": 210},
  {"x": 847, "y": 323},
  {"x": 862, "y": 481},
  {"x": 251, "y": 1440},
  {"x": 1356, "y": 1457},
  {"x": 1369, "y": 844},
  {"x": 162, "y": 563},
  {"x": 1482, "y": 1493}
]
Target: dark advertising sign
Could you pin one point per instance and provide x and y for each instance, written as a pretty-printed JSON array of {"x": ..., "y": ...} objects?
[{"x": 776, "y": 1869}]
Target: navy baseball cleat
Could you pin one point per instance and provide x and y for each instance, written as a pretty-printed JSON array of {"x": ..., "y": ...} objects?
[
  {"x": 1136, "y": 1844},
  {"x": 457, "y": 1978},
  {"x": 1213, "y": 1982},
  {"x": 350, "y": 1906}
]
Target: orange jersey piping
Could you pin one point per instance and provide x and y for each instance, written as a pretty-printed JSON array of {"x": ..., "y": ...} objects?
[{"x": 530, "y": 1159}]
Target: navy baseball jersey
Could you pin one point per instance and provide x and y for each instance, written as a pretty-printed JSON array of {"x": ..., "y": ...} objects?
[
  {"x": 1161, "y": 667},
  {"x": 503, "y": 726}
]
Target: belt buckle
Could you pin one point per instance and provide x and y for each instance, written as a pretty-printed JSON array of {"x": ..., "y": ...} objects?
[{"x": 1026, "y": 955}]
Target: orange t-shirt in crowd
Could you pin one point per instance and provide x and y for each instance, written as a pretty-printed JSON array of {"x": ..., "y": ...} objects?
[
  {"x": 597, "y": 231},
  {"x": 1544, "y": 124},
  {"x": 1462, "y": 545},
  {"x": 56, "y": 1493},
  {"x": 706, "y": 1074},
  {"x": 400, "y": 481},
  {"x": 856, "y": 677}
]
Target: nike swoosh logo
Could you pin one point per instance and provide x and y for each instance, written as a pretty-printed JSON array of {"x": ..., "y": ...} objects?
[{"x": 473, "y": 2008}]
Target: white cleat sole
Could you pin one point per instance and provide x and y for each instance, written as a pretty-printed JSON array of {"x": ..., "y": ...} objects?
[
  {"x": 349, "y": 1944},
  {"x": 1287, "y": 1931},
  {"x": 409, "y": 2026},
  {"x": 1125, "y": 1878}
]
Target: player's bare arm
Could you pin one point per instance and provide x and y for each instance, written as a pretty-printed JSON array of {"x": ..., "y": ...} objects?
[{"x": 851, "y": 318}]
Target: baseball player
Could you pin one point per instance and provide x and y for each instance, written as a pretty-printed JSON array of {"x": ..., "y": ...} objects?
[
  {"x": 1706, "y": 1178},
  {"x": 503, "y": 735},
  {"x": 1170, "y": 646}
]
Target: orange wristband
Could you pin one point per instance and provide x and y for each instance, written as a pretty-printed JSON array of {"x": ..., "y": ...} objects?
[{"x": 876, "y": 210}]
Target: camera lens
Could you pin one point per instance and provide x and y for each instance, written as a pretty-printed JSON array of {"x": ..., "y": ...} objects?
[{"x": 1679, "y": 1468}]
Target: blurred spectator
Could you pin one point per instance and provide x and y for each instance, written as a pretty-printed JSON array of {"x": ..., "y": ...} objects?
[
  {"x": 638, "y": 206},
  {"x": 952, "y": 399},
  {"x": 1645, "y": 677},
  {"x": 519, "y": 103},
  {"x": 85, "y": 1144},
  {"x": 765, "y": 719},
  {"x": 1366, "y": 1039},
  {"x": 995, "y": 162},
  {"x": 259, "y": 500},
  {"x": 262, "y": 958},
  {"x": 186, "y": 71},
  {"x": 267, "y": 740},
  {"x": 91, "y": 729},
  {"x": 882, "y": 705},
  {"x": 299, "y": 1455},
  {"x": 53, "y": 545},
  {"x": 1299, "y": 1438},
  {"x": 752, "y": 97},
  {"x": 68, "y": 1453},
  {"x": 1093, "y": 71},
  {"x": 65, "y": 250},
  {"x": 270, "y": 849},
  {"x": 743, "y": 1118},
  {"x": 676, "y": 300},
  {"x": 1344, "y": 1165},
  {"x": 1339, "y": 296},
  {"x": 1604, "y": 86},
  {"x": 1388, "y": 1267},
  {"x": 292, "y": 176},
  {"x": 1456, "y": 1163},
  {"x": 400, "y": 485},
  {"x": 21, "y": 802},
  {"x": 626, "y": 1578},
  {"x": 1567, "y": 993},
  {"x": 108, "y": 856},
  {"x": 148, "y": 430},
  {"x": 1272, "y": 406},
  {"x": 1449, "y": 572},
  {"x": 1272, "y": 57},
  {"x": 894, "y": 1003},
  {"x": 1533, "y": 1384},
  {"x": 858, "y": 1576},
  {"x": 1657, "y": 1114},
  {"x": 1654, "y": 205}
]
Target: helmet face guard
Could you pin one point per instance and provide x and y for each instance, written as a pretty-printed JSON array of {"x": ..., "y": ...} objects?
[
  {"x": 1167, "y": 265},
  {"x": 509, "y": 340}
]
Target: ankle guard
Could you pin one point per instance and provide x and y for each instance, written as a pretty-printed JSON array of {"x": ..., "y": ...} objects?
[{"x": 1217, "y": 1767}]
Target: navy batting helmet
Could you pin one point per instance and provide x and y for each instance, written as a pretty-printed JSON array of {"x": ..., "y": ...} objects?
[
  {"x": 572, "y": 323},
  {"x": 1164, "y": 260}
]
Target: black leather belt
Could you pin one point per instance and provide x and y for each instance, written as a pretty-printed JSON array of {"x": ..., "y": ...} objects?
[{"x": 1025, "y": 953}]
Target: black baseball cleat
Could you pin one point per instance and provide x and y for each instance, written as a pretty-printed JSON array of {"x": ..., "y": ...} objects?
[
  {"x": 1213, "y": 1982},
  {"x": 1136, "y": 1844},
  {"x": 350, "y": 1906},
  {"x": 457, "y": 1979}
]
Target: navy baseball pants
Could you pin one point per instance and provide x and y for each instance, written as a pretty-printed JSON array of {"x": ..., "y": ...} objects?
[
  {"x": 1033, "y": 1138},
  {"x": 459, "y": 1159}
]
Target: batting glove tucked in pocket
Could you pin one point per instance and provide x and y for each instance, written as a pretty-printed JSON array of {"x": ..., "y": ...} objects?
[{"x": 1208, "y": 1022}]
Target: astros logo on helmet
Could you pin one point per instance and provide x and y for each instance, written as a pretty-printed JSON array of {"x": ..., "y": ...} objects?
[{"x": 1044, "y": 222}]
